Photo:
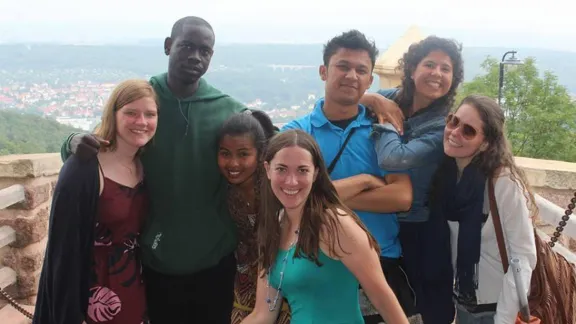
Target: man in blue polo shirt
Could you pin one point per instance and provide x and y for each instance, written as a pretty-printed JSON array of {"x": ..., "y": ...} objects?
[{"x": 341, "y": 125}]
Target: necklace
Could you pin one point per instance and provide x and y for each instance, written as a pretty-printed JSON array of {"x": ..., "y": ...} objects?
[
  {"x": 273, "y": 303},
  {"x": 129, "y": 168}
]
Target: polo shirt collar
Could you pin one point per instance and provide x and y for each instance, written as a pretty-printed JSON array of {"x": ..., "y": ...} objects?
[{"x": 318, "y": 119}]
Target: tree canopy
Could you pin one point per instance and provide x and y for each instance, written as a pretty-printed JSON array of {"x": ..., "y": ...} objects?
[
  {"x": 25, "y": 133},
  {"x": 540, "y": 114}
]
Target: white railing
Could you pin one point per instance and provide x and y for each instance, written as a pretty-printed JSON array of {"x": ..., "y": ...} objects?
[
  {"x": 551, "y": 214},
  {"x": 11, "y": 195},
  {"x": 8, "y": 197}
]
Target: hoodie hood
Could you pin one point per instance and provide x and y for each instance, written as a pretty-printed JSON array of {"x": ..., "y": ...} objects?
[{"x": 205, "y": 91}]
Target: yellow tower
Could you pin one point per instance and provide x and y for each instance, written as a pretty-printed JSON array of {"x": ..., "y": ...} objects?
[{"x": 387, "y": 63}]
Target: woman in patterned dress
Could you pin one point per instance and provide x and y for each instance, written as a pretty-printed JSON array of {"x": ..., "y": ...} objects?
[
  {"x": 92, "y": 272},
  {"x": 242, "y": 140}
]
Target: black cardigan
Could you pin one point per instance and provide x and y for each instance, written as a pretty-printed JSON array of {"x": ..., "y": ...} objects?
[{"x": 63, "y": 290}]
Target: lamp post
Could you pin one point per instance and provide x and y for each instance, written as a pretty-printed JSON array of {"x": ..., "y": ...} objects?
[{"x": 510, "y": 61}]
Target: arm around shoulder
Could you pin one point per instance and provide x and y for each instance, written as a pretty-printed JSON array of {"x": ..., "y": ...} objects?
[
  {"x": 394, "y": 155},
  {"x": 65, "y": 151}
]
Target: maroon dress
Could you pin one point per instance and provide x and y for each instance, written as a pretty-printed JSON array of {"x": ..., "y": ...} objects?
[{"x": 117, "y": 292}]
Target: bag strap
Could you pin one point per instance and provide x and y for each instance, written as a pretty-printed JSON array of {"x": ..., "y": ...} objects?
[
  {"x": 497, "y": 225},
  {"x": 333, "y": 163}
]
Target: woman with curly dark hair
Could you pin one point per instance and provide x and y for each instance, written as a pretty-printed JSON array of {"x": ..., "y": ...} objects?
[{"x": 408, "y": 136}]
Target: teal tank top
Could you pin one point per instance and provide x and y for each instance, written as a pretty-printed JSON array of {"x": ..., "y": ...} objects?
[{"x": 319, "y": 295}]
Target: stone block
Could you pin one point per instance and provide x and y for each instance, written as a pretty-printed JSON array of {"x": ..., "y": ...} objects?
[
  {"x": 560, "y": 198},
  {"x": 36, "y": 193},
  {"x": 28, "y": 283},
  {"x": 572, "y": 245},
  {"x": 8, "y": 277},
  {"x": 28, "y": 300},
  {"x": 549, "y": 173},
  {"x": 9, "y": 315},
  {"x": 30, "y": 225},
  {"x": 7, "y": 236},
  {"x": 27, "y": 259},
  {"x": 29, "y": 165}
]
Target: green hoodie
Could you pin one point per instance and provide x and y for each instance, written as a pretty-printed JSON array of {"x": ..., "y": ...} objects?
[{"x": 188, "y": 228}]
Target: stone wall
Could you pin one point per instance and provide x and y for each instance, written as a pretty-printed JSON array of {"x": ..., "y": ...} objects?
[
  {"x": 554, "y": 180},
  {"x": 38, "y": 174}
]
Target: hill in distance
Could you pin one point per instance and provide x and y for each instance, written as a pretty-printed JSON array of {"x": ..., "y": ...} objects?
[
  {"x": 148, "y": 59},
  {"x": 26, "y": 133}
]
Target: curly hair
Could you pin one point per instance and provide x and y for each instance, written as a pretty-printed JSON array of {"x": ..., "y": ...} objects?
[{"x": 415, "y": 54}]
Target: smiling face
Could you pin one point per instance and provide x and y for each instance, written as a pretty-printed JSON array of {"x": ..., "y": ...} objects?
[
  {"x": 237, "y": 158},
  {"x": 347, "y": 76},
  {"x": 291, "y": 173},
  {"x": 433, "y": 75},
  {"x": 463, "y": 136},
  {"x": 136, "y": 122}
]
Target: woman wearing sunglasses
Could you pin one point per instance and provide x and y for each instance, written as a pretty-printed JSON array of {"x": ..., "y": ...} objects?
[
  {"x": 409, "y": 137},
  {"x": 476, "y": 150}
]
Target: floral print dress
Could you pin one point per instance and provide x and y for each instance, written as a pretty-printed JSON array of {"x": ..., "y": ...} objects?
[
  {"x": 117, "y": 291},
  {"x": 246, "y": 278}
]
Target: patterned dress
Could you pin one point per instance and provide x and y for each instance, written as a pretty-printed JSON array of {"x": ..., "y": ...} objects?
[
  {"x": 117, "y": 291},
  {"x": 246, "y": 255}
]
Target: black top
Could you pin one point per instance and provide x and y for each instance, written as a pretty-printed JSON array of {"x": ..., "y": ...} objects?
[
  {"x": 344, "y": 122},
  {"x": 63, "y": 290}
]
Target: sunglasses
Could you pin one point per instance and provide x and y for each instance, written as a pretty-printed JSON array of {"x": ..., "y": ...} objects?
[{"x": 453, "y": 122}]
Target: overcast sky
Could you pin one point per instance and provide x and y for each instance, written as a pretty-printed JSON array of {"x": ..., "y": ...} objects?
[{"x": 539, "y": 24}]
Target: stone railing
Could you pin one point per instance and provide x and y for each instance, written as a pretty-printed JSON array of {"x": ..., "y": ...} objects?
[
  {"x": 26, "y": 185},
  {"x": 554, "y": 182},
  {"x": 27, "y": 182}
]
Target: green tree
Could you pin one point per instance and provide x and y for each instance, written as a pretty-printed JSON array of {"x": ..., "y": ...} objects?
[
  {"x": 540, "y": 114},
  {"x": 24, "y": 133}
]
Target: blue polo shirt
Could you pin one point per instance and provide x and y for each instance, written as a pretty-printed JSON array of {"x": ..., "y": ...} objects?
[{"x": 358, "y": 157}]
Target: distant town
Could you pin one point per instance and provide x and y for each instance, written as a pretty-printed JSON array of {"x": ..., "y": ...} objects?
[
  {"x": 80, "y": 104},
  {"x": 70, "y": 84}
]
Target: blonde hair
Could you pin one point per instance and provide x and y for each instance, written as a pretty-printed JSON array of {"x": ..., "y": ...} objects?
[{"x": 126, "y": 92}]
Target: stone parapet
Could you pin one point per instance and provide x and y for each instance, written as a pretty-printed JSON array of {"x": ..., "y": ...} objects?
[
  {"x": 549, "y": 174},
  {"x": 37, "y": 174}
]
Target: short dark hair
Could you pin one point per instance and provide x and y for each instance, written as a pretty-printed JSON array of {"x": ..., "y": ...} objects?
[
  {"x": 353, "y": 40},
  {"x": 189, "y": 20}
]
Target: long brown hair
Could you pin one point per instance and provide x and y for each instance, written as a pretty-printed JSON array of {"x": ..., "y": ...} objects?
[
  {"x": 321, "y": 210},
  {"x": 126, "y": 92},
  {"x": 498, "y": 154}
]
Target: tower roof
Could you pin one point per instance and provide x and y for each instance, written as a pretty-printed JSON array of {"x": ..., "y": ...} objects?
[{"x": 388, "y": 61}]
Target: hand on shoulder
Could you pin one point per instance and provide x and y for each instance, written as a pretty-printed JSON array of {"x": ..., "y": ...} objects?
[{"x": 86, "y": 146}]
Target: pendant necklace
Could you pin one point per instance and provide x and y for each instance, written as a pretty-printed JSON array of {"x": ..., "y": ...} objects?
[{"x": 273, "y": 303}]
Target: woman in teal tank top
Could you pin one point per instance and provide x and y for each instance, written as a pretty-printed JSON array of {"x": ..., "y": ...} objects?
[{"x": 313, "y": 250}]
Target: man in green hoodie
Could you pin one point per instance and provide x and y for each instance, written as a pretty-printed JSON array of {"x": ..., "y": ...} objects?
[{"x": 189, "y": 238}]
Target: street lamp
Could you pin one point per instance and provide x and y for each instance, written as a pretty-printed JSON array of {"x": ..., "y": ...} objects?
[{"x": 510, "y": 61}]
